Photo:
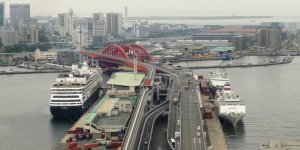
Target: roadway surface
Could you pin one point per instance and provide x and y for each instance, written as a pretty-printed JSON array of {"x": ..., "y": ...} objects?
[
  {"x": 146, "y": 134},
  {"x": 191, "y": 137},
  {"x": 130, "y": 137},
  {"x": 173, "y": 109}
]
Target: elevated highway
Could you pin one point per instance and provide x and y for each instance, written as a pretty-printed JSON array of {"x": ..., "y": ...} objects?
[{"x": 146, "y": 130}]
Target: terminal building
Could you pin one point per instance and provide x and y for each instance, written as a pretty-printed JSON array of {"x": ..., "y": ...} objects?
[
  {"x": 44, "y": 55},
  {"x": 111, "y": 115},
  {"x": 239, "y": 41},
  {"x": 124, "y": 84}
]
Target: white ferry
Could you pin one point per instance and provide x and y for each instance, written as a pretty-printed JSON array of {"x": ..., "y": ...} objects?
[{"x": 230, "y": 107}]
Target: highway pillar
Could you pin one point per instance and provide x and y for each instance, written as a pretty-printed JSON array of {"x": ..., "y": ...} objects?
[{"x": 157, "y": 90}]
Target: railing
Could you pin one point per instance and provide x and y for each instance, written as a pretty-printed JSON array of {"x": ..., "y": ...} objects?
[
  {"x": 126, "y": 142},
  {"x": 148, "y": 115}
]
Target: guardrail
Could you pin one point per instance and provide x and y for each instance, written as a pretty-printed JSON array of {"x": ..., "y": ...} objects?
[
  {"x": 169, "y": 119},
  {"x": 129, "y": 133},
  {"x": 148, "y": 115},
  {"x": 153, "y": 127}
]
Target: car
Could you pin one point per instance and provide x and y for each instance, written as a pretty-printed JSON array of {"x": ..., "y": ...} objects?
[
  {"x": 198, "y": 134},
  {"x": 186, "y": 87},
  {"x": 195, "y": 101},
  {"x": 199, "y": 128},
  {"x": 146, "y": 142}
]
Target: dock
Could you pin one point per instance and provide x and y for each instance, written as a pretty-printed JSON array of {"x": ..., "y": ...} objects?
[
  {"x": 62, "y": 144},
  {"x": 33, "y": 72},
  {"x": 214, "y": 129},
  {"x": 287, "y": 61}
]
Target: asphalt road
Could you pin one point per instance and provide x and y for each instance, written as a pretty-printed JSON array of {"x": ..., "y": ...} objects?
[
  {"x": 191, "y": 137},
  {"x": 173, "y": 110}
]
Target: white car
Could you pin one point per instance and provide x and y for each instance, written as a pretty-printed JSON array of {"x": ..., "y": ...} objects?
[
  {"x": 199, "y": 128},
  {"x": 198, "y": 134}
]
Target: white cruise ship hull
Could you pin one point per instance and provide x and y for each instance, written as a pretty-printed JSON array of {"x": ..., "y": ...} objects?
[{"x": 74, "y": 112}]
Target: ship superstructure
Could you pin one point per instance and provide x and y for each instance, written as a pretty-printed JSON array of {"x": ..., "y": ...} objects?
[{"x": 216, "y": 81}]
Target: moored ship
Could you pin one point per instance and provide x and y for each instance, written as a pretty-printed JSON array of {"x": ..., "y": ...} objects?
[
  {"x": 230, "y": 107},
  {"x": 217, "y": 80},
  {"x": 73, "y": 93}
]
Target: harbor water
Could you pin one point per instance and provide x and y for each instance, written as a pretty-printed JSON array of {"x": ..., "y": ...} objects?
[{"x": 271, "y": 96}]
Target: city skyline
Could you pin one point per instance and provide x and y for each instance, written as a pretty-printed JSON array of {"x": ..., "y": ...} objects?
[{"x": 161, "y": 8}]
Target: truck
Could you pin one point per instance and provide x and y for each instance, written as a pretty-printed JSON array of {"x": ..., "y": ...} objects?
[
  {"x": 175, "y": 101},
  {"x": 207, "y": 113}
]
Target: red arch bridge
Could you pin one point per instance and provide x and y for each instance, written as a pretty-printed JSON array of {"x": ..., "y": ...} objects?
[{"x": 123, "y": 55}]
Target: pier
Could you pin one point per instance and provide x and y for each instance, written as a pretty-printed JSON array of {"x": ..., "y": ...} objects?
[
  {"x": 214, "y": 128},
  {"x": 286, "y": 61}
]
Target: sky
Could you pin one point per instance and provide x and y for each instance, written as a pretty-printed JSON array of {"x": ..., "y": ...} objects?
[{"x": 164, "y": 7}]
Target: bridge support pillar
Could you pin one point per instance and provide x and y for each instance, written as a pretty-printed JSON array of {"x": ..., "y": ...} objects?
[{"x": 157, "y": 89}]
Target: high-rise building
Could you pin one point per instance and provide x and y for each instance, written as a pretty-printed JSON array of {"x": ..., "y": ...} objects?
[
  {"x": 269, "y": 38},
  {"x": 70, "y": 24},
  {"x": 23, "y": 33},
  {"x": 63, "y": 24},
  {"x": 66, "y": 23},
  {"x": 9, "y": 37},
  {"x": 99, "y": 25},
  {"x": 19, "y": 12},
  {"x": 114, "y": 23},
  {"x": 2, "y": 13},
  {"x": 34, "y": 35},
  {"x": 125, "y": 14}
]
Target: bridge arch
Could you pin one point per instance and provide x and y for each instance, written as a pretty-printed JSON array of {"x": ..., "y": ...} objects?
[
  {"x": 142, "y": 52},
  {"x": 115, "y": 50}
]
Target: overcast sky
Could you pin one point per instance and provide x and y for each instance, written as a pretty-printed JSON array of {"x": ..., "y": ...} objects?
[{"x": 164, "y": 7}]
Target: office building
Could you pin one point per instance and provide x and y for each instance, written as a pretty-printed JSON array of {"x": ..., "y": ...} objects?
[
  {"x": 9, "y": 37},
  {"x": 268, "y": 38},
  {"x": 238, "y": 41},
  {"x": 34, "y": 35},
  {"x": 114, "y": 23},
  {"x": 19, "y": 12},
  {"x": 125, "y": 14},
  {"x": 2, "y": 13},
  {"x": 98, "y": 25},
  {"x": 70, "y": 25},
  {"x": 63, "y": 24},
  {"x": 66, "y": 23},
  {"x": 23, "y": 32}
]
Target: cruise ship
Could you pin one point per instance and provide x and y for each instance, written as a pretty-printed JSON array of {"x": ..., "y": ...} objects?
[
  {"x": 230, "y": 107},
  {"x": 73, "y": 93},
  {"x": 217, "y": 81}
]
